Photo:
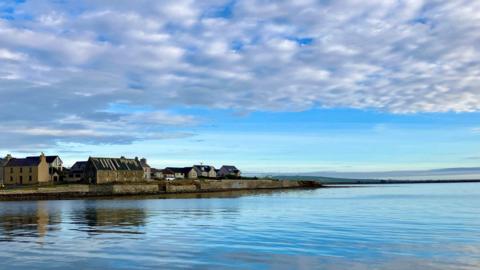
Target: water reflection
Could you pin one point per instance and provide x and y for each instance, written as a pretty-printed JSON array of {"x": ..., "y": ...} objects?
[
  {"x": 395, "y": 227},
  {"x": 28, "y": 219},
  {"x": 95, "y": 218}
]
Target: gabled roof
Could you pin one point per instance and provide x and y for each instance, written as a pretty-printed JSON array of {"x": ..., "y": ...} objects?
[
  {"x": 79, "y": 166},
  {"x": 230, "y": 169},
  {"x": 203, "y": 168},
  {"x": 184, "y": 170},
  {"x": 116, "y": 164},
  {"x": 167, "y": 171},
  {"x": 22, "y": 162},
  {"x": 50, "y": 159}
]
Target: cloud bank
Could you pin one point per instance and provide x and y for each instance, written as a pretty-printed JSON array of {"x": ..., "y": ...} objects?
[{"x": 64, "y": 63}]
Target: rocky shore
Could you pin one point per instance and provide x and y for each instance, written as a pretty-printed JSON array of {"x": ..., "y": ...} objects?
[{"x": 70, "y": 191}]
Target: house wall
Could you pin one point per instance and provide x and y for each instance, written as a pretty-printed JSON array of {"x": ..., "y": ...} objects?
[
  {"x": 192, "y": 174},
  {"x": 74, "y": 177},
  {"x": 57, "y": 163},
  {"x": 147, "y": 172},
  {"x": 42, "y": 172},
  {"x": 27, "y": 175},
  {"x": 179, "y": 175},
  {"x": 212, "y": 173},
  {"x": 103, "y": 177}
]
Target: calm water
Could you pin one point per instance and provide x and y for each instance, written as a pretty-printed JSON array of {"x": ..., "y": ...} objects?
[{"x": 435, "y": 226}]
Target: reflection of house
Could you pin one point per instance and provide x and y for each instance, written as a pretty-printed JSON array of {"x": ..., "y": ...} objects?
[
  {"x": 76, "y": 172},
  {"x": 28, "y": 220},
  {"x": 146, "y": 169},
  {"x": 110, "y": 170},
  {"x": 205, "y": 171},
  {"x": 228, "y": 171},
  {"x": 181, "y": 173},
  {"x": 125, "y": 217},
  {"x": 55, "y": 167},
  {"x": 26, "y": 171}
]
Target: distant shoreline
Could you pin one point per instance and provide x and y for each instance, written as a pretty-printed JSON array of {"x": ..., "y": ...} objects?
[{"x": 389, "y": 182}]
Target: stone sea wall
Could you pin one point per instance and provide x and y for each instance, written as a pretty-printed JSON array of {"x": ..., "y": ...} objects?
[{"x": 147, "y": 188}]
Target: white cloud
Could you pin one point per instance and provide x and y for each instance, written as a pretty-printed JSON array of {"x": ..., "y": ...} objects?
[
  {"x": 9, "y": 55},
  {"x": 400, "y": 57}
]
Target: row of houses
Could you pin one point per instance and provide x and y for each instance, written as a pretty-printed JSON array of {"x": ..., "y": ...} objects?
[
  {"x": 49, "y": 169},
  {"x": 196, "y": 171}
]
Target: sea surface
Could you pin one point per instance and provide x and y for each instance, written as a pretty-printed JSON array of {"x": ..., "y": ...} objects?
[{"x": 423, "y": 226}]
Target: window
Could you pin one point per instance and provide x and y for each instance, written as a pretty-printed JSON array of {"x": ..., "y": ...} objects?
[
  {"x": 30, "y": 178},
  {"x": 11, "y": 178},
  {"x": 30, "y": 169},
  {"x": 21, "y": 169},
  {"x": 11, "y": 170},
  {"x": 21, "y": 179}
]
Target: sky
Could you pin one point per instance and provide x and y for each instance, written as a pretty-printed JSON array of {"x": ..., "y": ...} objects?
[{"x": 270, "y": 86}]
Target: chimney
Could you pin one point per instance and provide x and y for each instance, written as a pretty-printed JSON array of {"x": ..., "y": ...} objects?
[
  {"x": 143, "y": 161},
  {"x": 42, "y": 157}
]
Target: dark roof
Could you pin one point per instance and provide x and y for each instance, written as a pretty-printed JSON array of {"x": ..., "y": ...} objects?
[
  {"x": 79, "y": 166},
  {"x": 22, "y": 162},
  {"x": 167, "y": 171},
  {"x": 230, "y": 169},
  {"x": 49, "y": 159},
  {"x": 203, "y": 168},
  {"x": 144, "y": 163},
  {"x": 184, "y": 170},
  {"x": 116, "y": 164}
]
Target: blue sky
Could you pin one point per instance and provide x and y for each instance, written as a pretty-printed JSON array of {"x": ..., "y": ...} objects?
[{"x": 272, "y": 86}]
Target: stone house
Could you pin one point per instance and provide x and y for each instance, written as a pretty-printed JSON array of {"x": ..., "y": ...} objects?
[
  {"x": 3, "y": 161},
  {"x": 165, "y": 174},
  {"x": 55, "y": 167},
  {"x": 113, "y": 170},
  {"x": 26, "y": 171},
  {"x": 156, "y": 174},
  {"x": 229, "y": 171},
  {"x": 205, "y": 171},
  {"x": 77, "y": 172},
  {"x": 147, "y": 171},
  {"x": 182, "y": 173}
]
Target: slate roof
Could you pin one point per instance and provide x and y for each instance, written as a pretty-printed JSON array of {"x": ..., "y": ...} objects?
[
  {"x": 167, "y": 171},
  {"x": 184, "y": 170},
  {"x": 79, "y": 166},
  {"x": 203, "y": 168},
  {"x": 230, "y": 169},
  {"x": 50, "y": 159},
  {"x": 22, "y": 162},
  {"x": 116, "y": 164}
]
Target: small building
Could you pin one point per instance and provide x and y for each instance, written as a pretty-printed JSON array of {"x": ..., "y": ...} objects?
[
  {"x": 205, "y": 171},
  {"x": 168, "y": 174},
  {"x": 156, "y": 174},
  {"x": 77, "y": 172},
  {"x": 147, "y": 171},
  {"x": 26, "y": 171},
  {"x": 113, "y": 170},
  {"x": 229, "y": 171},
  {"x": 55, "y": 167},
  {"x": 182, "y": 173}
]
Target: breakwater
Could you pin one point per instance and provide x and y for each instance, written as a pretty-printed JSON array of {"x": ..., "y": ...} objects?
[{"x": 67, "y": 191}]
